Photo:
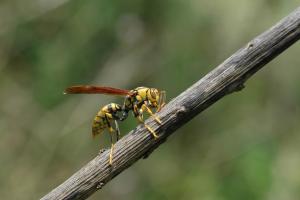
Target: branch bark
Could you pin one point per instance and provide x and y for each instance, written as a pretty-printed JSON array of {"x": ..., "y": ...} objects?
[{"x": 225, "y": 79}]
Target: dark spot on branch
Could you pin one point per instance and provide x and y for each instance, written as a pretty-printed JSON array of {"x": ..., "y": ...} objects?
[{"x": 100, "y": 185}]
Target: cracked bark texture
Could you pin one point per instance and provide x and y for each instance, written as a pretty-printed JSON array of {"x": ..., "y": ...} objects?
[{"x": 228, "y": 77}]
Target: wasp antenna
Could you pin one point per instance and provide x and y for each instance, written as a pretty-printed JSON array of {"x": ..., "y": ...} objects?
[{"x": 66, "y": 91}]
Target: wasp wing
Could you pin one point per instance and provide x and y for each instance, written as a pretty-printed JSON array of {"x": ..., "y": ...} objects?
[{"x": 90, "y": 89}]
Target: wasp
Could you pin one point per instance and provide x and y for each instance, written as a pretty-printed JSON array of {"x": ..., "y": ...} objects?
[{"x": 138, "y": 101}]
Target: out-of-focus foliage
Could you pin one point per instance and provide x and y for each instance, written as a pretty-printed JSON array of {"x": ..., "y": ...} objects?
[{"x": 244, "y": 147}]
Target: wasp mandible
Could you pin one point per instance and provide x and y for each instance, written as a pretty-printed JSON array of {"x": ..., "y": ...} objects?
[{"x": 137, "y": 100}]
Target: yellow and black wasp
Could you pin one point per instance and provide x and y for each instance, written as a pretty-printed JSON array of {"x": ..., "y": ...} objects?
[{"x": 137, "y": 100}]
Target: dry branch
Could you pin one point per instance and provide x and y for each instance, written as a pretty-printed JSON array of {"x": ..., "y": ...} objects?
[{"x": 226, "y": 78}]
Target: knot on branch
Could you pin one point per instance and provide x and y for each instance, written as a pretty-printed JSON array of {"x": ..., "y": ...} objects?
[{"x": 235, "y": 87}]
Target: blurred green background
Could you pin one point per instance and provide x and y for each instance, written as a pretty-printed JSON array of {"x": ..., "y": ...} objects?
[{"x": 246, "y": 146}]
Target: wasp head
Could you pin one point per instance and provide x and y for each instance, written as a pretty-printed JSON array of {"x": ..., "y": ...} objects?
[{"x": 153, "y": 97}]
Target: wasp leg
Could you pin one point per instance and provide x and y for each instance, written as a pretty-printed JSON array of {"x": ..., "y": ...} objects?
[
  {"x": 162, "y": 100},
  {"x": 117, "y": 130},
  {"x": 140, "y": 119},
  {"x": 144, "y": 107},
  {"x": 138, "y": 113},
  {"x": 152, "y": 131},
  {"x": 111, "y": 130}
]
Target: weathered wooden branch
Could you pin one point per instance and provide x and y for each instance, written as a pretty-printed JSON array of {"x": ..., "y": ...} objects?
[{"x": 225, "y": 79}]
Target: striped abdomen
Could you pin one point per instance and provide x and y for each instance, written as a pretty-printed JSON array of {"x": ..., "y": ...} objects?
[{"x": 100, "y": 123}]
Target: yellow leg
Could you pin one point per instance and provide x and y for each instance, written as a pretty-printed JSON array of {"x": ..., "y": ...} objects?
[
  {"x": 160, "y": 107},
  {"x": 111, "y": 154},
  {"x": 152, "y": 131},
  {"x": 111, "y": 130},
  {"x": 117, "y": 130},
  {"x": 144, "y": 107},
  {"x": 149, "y": 129}
]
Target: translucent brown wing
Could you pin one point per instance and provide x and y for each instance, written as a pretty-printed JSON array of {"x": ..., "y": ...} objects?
[{"x": 89, "y": 89}]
